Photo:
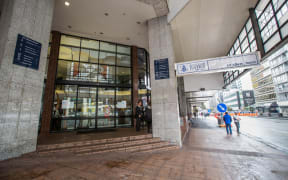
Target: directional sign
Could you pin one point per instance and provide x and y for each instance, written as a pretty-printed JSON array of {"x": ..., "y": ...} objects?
[
  {"x": 27, "y": 52},
  {"x": 220, "y": 64},
  {"x": 161, "y": 67},
  {"x": 222, "y": 107}
]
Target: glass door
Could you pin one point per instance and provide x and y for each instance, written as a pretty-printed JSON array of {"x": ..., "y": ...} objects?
[
  {"x": 106, "y": 108},
  {"x": 86, "y": 107}
]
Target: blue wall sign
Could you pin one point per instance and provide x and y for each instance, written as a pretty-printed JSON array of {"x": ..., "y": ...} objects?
[
  {"x": 222, "y": 107},
  {"x": 161, "y": 67},
  {"x": 27, "y": 52}
]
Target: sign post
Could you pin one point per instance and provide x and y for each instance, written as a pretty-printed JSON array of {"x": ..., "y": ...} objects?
[{"x": 222, "y": 107}]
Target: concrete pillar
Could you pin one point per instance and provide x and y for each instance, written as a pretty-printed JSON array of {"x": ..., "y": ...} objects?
[
  {"x": 182, "y": 107},
  {"x": 20, "y": 87},
  {"x": 165, "y": 113}
]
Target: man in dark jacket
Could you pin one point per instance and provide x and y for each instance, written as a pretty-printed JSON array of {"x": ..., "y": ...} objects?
[
  {"x": 227, "y": 119},
  {"x": 148, "y": 118}
]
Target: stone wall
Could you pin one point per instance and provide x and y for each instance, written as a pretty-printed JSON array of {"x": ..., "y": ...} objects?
[{"x": 21, "y": 88}]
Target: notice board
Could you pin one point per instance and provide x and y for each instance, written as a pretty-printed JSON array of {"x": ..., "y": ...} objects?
[
  {"x": 161, "y": 67},
  {"x": 27, "y": 52}
]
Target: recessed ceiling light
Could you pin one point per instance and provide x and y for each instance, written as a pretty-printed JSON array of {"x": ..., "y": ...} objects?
[
  {"x": 67, "y": 3},
  {"x": 101, "y": 33},
  {"x": 138, "y": 22},
  {"x": 106, "y": 14}
]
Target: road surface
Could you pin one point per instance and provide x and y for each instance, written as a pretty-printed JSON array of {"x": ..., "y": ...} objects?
[{"x": 270, "y": 131}]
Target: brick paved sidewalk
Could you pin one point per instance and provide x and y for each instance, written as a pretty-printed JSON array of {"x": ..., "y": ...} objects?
[{"x": 207, "y": 154}]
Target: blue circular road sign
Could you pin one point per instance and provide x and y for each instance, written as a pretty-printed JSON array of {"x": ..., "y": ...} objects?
[{"x": 222, "y": 107}]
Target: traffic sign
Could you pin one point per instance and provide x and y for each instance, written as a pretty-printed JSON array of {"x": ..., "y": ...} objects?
[{"x": 222, "y": 107}]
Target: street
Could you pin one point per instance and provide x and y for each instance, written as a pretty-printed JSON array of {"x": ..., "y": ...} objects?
[{"x": 270, "y": 131}]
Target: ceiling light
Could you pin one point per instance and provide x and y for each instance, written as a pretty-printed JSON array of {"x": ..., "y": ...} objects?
[
  {"x": 106, "y": 14},
  {"x": 67, "y": 3},
  {"x": 101, "y": 33},
  {"x": 138, "y": 22}
]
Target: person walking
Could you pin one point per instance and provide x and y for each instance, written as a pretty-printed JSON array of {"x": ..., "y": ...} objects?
[
  {"x": 227, "y": 119},
  {"x": 139, "y": 114},
  {"x": 236, "y": 119},
  {"x": 148, "y": 118}
]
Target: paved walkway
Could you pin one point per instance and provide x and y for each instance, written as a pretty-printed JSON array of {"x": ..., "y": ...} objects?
[{"x": 207, "y": 154}]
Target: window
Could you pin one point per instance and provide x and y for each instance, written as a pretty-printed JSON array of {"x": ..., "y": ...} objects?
[{"x": 93, "y": 84}]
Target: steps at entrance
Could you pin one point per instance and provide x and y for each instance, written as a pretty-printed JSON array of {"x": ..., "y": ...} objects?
[{"x": 141, "y": 143}]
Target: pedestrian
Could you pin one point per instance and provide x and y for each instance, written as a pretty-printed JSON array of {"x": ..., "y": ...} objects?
[
  {"x": 227, "y": 119},
  {"x": 139, "y": 114},
  {"x": 236, "y": 119},
  {"x": 148, "y": 118}
]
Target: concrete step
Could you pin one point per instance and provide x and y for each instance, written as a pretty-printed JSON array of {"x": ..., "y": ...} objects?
[
  {"x": 131, "y": 148},
  {"x": 92, "y": 142},
  {"x": 102, "y": 146}
]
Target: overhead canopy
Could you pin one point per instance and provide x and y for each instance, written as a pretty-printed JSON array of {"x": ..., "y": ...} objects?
[{"x": 208, "y": 28}]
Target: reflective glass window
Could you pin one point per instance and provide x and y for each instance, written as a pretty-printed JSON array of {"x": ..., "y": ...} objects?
[
  {"x": 69, "y": 53},
  {"x": 123, "y": 75},
  {"x": 123, "y": 102},
  {"x": 106, "y": 74},
  {"x": 124, "y": 49},
  {"x": 65, "y": 101},
  {"x": 123, "y": 60},
  {"x": 277, "y": 4},
  {"x": 70, "y": 40},
  {"x": 249, "y": 25},
  {"x": 67, "y": 70},
  {"x": 269, "y": 30},
  {"x": 86, "y": 102},
  {"x": 107, "y": 58},
  {"x": 106, "y": 100},
  {"x": 89, "y": 56},
  {"x": 107, "y": 46},
  {"x": 90, "y": 44},
  {"x": 265, "y": 17},
  {"x": 282, "y": 15},
  {"x": 88, "y": 72},
  {"x": 242, "y": 34}
]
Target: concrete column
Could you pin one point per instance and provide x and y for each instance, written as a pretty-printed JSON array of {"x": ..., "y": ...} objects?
[
  {"x": 165, "y": 113},
  {"x": 182, "y": 107},
  {"x": 20, "y": 87}
]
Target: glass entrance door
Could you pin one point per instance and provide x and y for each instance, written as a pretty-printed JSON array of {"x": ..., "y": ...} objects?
[
  {"x": 106, "y": 108},
  {"x": 86, "y": 107}
]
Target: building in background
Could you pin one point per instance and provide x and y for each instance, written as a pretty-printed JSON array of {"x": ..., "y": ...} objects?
[
  {"x": 279, "y": 71},
  {"x": 263, "y": 86}
]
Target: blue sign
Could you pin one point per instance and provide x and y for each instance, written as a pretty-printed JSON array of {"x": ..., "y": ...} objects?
[
  {"x": 222, "y": 107},
  {"x": 27, "y": 52},
  {"x": 209, "y": 110},
  {"x": 161, "y": 67}
]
